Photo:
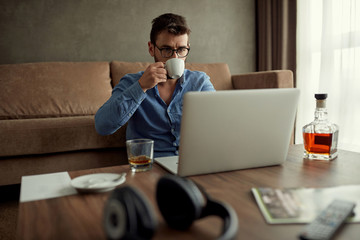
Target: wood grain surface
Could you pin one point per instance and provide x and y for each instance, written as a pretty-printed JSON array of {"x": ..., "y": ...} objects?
[{"x": 81, "y": 216}]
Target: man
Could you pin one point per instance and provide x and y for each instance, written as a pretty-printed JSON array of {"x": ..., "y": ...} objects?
[{"x": 149, "y": 101}]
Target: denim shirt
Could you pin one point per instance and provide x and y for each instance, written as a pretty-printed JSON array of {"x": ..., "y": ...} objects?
[{"x": 147, "y": 115}]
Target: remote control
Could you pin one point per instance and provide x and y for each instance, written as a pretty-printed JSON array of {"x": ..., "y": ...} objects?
[{"x": 328, "y": 221}]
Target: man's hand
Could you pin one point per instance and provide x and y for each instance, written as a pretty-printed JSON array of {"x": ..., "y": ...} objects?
[{"x": 153, "y": 75}]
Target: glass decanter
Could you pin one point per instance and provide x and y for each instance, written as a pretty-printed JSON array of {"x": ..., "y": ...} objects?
[{"x": 320, "y": 136}]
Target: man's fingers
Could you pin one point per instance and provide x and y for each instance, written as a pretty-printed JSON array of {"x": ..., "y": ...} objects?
[{"x": 154, "y": 74}]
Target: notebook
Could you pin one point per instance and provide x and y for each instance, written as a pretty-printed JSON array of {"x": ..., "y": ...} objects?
[{"x": 232, "y": 130}]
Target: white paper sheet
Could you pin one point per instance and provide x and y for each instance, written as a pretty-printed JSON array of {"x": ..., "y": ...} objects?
[{"x": 45, "y": 186}]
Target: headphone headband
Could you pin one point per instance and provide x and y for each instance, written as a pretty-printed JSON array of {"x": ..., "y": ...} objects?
[{"x": 226, "y": 213}]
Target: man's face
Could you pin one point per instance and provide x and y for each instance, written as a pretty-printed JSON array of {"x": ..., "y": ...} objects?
[{"x": 168, "y": 40}]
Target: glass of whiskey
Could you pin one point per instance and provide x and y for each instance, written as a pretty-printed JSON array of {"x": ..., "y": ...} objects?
[{"x": 320, "y": 136}]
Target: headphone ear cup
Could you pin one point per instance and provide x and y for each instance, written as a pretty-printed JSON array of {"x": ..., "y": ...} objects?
[
  {"x": 115, "y": 221},
  {"x": 179, "y": 200},
  {"x": 128, "y": 215}
]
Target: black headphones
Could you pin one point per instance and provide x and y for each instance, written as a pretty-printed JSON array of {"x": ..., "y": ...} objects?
[{"x": 128, "y": 214}]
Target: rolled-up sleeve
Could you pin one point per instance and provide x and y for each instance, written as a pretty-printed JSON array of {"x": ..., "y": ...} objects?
[{"x": 117, "y": 110}]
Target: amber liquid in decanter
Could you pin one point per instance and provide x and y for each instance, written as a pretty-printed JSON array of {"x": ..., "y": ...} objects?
[{"x": 320, "y": 136}]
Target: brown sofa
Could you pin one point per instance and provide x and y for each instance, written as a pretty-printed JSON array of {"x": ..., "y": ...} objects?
[{"x": 47, "y": 112}]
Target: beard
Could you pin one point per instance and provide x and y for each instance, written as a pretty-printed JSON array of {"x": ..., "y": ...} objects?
[{"x": 156, "y": 59}]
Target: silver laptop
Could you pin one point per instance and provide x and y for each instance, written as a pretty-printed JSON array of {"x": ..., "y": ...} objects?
[{"x": 231, "y": 130}]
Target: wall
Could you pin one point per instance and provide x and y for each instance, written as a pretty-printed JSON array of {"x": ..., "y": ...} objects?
[{"x": 97, "y": 30}]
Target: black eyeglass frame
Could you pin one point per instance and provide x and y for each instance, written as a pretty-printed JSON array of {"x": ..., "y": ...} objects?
[{"x": 172, "y": 51}]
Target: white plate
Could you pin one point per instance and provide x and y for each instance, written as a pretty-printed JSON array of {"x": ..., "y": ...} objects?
[{"x": 98, "y": 182}]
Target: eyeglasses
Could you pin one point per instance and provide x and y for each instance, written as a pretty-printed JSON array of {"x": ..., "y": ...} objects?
[{"x": 167, "y": 52}]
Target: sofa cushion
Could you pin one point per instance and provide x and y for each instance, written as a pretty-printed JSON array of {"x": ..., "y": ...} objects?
[
  {"x": 53, "y": 89},
  {"x": 51, "y": 135},
  {"x": 119, "y": 69},
  {"x": 219, "y": 73},
  {"x": 264, "y": 79}
]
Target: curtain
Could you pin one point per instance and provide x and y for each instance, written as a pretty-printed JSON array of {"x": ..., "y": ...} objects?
[
  {"x": 328, "y": 61},
  {"x": 276, "y": 35}
]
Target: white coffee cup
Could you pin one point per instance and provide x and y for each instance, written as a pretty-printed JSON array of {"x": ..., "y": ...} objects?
[{"x": 175, "y": 67}]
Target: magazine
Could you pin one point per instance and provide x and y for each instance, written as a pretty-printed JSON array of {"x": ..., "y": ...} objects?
[{"x": 302, "y": 205}]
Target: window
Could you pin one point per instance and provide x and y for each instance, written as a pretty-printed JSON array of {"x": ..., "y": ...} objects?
[{"x": 328, "y": 61}]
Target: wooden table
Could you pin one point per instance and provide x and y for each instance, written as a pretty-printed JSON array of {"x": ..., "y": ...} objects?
[{"x": 80, "y": 216}]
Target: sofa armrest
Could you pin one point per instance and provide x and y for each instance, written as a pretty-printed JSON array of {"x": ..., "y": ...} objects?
[{"x": 264, "y": 79}]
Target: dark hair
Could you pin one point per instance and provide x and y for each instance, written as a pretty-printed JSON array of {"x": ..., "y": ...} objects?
[{"x": 174, "y": 24}]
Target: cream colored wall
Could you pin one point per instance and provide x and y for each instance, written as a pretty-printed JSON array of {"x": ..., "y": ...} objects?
[{"x": 96, "y": 30}]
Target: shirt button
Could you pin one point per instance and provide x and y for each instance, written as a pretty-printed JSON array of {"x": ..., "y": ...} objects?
[
  {"x": 168, "y": 110},
  {"x": 176, "y": 152},
  {"x": 129, "y": 114},
  {"x": 174, "y": 144},
  {"x": 172, "y": 130}
]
